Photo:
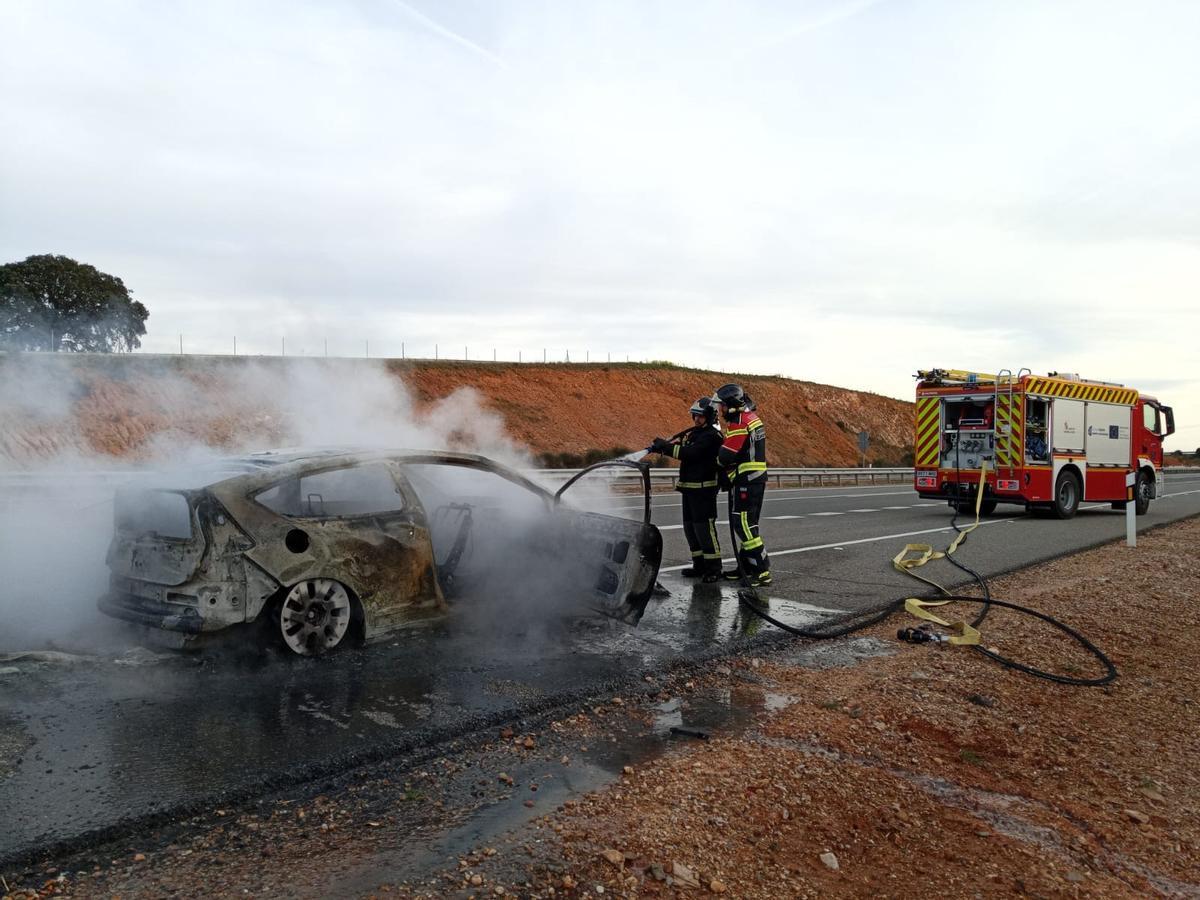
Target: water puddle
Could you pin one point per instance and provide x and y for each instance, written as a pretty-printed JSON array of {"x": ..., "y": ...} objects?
[{"x": 465, "y": 826}]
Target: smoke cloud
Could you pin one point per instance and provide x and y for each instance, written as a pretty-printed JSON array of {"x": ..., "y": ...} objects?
[{"x": 62, "y": 419}]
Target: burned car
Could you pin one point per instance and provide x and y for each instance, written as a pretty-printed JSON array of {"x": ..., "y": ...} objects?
[{"x": 322, "y": 548}]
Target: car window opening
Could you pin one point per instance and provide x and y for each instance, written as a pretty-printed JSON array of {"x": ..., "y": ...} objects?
[
  {"x": 163, "y": 514},
  {"x": 360, "y": 490}
]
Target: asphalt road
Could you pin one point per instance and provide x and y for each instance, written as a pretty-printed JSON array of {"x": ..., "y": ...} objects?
[
  {"x": 88, "y": 744},
  {"x": 822, "y": 540}
]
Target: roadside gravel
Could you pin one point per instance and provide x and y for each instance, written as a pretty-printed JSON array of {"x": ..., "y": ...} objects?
[{"x": 934, "y": 770}]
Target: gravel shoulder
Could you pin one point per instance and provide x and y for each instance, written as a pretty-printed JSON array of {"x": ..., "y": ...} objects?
[
  {"x": 937, "y": 766},
  {"x": 843, "y": 769}
]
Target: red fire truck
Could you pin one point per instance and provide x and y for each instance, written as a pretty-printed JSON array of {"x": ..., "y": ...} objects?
[{"x": 1049, "y": 442}]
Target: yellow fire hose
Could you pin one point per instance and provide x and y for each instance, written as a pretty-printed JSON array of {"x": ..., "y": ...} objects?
[{"x": 964, "y": 633}]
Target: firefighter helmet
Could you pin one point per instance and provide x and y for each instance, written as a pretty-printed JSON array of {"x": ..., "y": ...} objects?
[
  {"x": 734, "y": 399},
  {"x": 705, "y": 407}
]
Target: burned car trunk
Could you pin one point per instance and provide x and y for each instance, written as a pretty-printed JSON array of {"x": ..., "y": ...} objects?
[{"x": 328, "y": 547}]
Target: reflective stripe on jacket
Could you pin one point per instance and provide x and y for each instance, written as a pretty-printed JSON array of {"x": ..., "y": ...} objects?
[
  {"x": 743, "y": 456},
  {"x": 697, "y": 455}
]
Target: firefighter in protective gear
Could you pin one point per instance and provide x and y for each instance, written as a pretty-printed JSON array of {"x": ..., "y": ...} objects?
[
  {"x": 696, "y": 449},
  {"x": 743, "y": 459}
]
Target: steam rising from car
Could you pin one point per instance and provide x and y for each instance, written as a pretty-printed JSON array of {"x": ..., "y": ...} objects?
[{"x": 56, "y": 490}]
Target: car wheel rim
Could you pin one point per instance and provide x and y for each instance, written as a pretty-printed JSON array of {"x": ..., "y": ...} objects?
[{"x": 315, "y": 616}]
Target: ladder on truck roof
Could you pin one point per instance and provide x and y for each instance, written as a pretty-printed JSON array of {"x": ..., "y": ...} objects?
[{"x": 962, "y": 376}]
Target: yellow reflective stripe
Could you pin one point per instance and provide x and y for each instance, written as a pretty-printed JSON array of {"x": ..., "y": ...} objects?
[
  {"x": 712, "y": 555},
  {"x": 1005, "y": 407},
  {"x": 753, "y": 544},
  {"x": 675, "y": 451},
  {"x": 696, "y": 554},
  {"x": 754, "y": 423},
  {"x": 734, "y": 432},
  {"x": 696, "y": 484},
  {"x": 712, "y": 533},
  {"x": 752, "y": 467},
  {"x": 926, "y": 440},
  {"x": 927, "y": 408},
  {"x": 746, "y": 527}
]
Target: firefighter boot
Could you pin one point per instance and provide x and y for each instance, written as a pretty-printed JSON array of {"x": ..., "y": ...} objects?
[{"x": 712, "y": 571}]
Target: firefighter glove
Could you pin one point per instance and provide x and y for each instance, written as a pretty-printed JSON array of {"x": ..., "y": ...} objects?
[{"x": 661, "y": 446}]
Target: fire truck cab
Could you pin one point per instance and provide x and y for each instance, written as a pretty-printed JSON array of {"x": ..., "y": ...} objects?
[{"x": 1048, "y": 442}]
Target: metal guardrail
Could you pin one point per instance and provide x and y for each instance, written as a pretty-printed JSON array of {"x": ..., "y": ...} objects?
[{"x": 777, "y": 476}]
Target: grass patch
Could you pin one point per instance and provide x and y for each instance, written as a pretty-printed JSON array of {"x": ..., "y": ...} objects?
[{"x": 969, "y": 756}]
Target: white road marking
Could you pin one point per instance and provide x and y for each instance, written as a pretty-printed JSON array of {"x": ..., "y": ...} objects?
[
  {"x": 827, "y": 514},
  {"x": 864, "y": 510},
  {"x": 669, "y": 527},
  {"x": 840, "y": 544},
  {"x": 785, "y": 517},
  {"x": 897, "y": 507}
]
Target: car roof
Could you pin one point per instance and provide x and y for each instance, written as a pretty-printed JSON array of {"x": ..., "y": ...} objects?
[{"x": 255, "y": 470}]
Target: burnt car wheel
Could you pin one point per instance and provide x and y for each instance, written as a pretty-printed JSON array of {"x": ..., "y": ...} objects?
[{"x": 315, "y": 616}]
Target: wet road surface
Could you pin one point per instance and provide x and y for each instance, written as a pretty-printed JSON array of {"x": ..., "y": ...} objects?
[{"x": 91, "y": 744}]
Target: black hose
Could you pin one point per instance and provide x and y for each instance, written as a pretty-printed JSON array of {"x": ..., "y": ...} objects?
[
  {"x": 1110, "y": 670},
  {"x": 748, "y": 597}
]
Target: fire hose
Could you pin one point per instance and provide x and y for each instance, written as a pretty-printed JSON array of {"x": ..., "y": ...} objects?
[{"x": 965, "y": 634}]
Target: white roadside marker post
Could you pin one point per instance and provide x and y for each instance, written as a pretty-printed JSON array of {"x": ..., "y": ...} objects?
[{"x": 1130, "y": 510}]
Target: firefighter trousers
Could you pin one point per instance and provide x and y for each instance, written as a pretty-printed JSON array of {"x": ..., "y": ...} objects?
[
  {"x": 700, "y": 529},
  {"x": 745, "y": 507}
]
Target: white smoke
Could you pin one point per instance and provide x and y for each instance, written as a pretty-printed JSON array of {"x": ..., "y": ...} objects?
[{"x": 56, "y": 490}]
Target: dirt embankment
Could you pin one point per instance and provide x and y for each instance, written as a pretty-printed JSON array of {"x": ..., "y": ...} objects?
[{"x": 131, "y": 406}]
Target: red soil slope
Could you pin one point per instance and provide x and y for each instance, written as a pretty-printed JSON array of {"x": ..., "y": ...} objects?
[{"x": 131, "y": 406}]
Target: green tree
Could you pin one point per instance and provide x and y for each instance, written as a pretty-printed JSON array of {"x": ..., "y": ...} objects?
[{"x": 55, "y": 303}]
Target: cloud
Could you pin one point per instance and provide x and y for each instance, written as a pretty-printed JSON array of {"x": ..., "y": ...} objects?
[{"x": 1020, "y": 185}]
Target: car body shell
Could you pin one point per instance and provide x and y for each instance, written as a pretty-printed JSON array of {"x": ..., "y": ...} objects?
[{"x": 235, "y": 555}]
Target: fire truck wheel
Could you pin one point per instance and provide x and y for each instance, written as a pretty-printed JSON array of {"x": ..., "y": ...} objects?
[
  {"x": 1066, "y": 495},
  {"x": 1141, "y": 494},
  {"x": 987, "y": 507}
]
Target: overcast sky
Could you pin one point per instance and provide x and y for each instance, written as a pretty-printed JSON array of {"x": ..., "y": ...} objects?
[{"x": 835, "y": 190}]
